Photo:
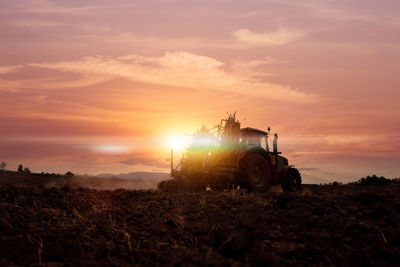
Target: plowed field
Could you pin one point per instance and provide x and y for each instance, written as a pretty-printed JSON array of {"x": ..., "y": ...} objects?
[{"x": 322, "y": 225}]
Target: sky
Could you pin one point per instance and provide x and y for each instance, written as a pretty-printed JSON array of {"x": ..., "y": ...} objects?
[{"x": 100, "y": 86}]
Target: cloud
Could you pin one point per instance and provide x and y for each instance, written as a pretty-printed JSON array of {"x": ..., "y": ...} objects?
[
  {"x": 311, "y": 147},
  {"x": 308, "y": 169},
  {"x": 334, "y": 10},
  {"x": 280, "y": 37},
  {"x": 9, "y": 86},
  {"x": 48, "y": 83},
  {"x": 47, "y": 7},
  {"x": 59, "y": 125},
  {"x": 34, "y": 23},
  {"x": 8, "y": 69},
  {"x": 181, "y": 69},
  {"x": 255, "y": 68},
  {"x": 259, "y": 62}
]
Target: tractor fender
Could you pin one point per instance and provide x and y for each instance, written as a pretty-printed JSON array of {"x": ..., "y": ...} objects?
[{"x": 254, "y": 150}]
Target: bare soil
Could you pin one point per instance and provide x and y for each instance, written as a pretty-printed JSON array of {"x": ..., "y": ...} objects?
[{"x": 322, "y": 225}]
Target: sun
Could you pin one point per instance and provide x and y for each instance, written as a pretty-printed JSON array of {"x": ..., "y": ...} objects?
[{"x": 177, "y": 142}]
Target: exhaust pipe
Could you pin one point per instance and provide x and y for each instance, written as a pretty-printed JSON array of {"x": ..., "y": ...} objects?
[{"x": 275, "y": 143}]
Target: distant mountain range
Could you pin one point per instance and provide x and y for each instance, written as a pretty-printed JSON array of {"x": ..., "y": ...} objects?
[{"x": 136, "y": 175}]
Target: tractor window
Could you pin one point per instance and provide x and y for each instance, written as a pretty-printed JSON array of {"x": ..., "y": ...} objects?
[
  {"x": 252, "y": 140},
  {"x": 263, "y": 143}
]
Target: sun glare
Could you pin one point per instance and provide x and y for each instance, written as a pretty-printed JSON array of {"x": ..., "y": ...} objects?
[{"x": 177, "y": 142}]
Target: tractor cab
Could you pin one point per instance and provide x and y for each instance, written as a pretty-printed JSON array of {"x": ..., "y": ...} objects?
[
  {"x": 251, "y": 137},
  {"x": 254, "y": 137}
]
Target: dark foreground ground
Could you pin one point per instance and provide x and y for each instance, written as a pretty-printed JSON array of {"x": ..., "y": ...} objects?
[{"x": 346, "y": 225}]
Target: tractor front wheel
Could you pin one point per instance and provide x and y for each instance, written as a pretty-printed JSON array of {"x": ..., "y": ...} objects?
[
  {"x": 256, "y": 173},
  {"x": 292, "y": 181}
]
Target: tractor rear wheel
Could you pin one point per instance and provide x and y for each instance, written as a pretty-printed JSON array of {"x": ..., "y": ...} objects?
[
  {"x": 256, "y": 172},
  {"x": 292, "y": 181}
]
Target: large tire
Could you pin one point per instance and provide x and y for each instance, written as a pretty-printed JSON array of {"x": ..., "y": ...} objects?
[
  {"x": 255, "y": 172},
  {"x": 292, "y": 181}
]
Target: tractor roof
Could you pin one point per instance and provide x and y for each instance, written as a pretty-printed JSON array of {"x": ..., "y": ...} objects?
[{"x": 252, "y": 131}]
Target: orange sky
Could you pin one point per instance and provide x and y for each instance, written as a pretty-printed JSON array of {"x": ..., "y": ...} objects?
[{"x": 95, "y": 86}]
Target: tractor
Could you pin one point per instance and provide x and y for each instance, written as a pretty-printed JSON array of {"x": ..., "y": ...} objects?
[{"x": 227, "y": 156}]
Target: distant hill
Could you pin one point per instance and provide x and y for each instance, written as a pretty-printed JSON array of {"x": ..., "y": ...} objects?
[
  {"x": 106, "y": 181},
  {"x": 136, "y": 175}
]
